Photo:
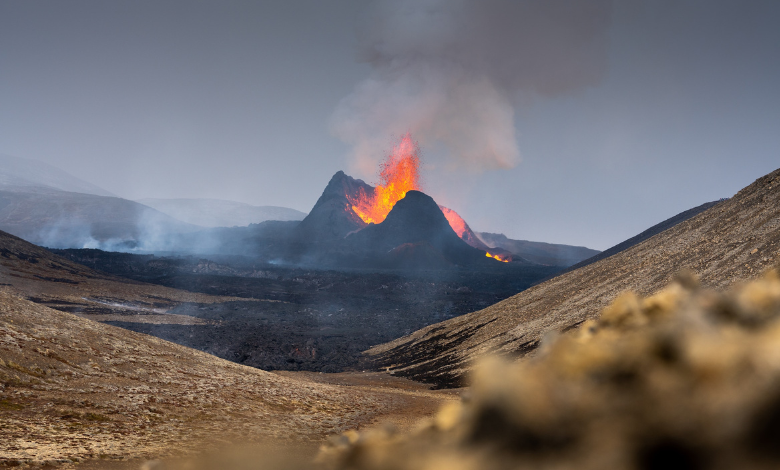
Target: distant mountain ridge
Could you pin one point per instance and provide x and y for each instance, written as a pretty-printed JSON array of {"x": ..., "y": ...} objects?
[
  {"x": 548, "y": 254},
  {"x": 31, "y": 175},
  {"x": 48, "y": 206},
  {"x": 220, "y": 213},
  {"x": 63, "y": 219}
]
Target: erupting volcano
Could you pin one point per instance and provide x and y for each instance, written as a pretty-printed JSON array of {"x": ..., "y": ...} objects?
[{"x": 398, "y": 174}]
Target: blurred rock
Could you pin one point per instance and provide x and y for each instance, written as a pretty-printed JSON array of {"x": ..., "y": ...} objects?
[{"x": 688, "y": 378}]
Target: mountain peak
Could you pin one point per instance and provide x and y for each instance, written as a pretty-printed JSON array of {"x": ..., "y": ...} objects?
[
  {"x": 416, "y": 219},
  {"x": 332, "y": 217},
  {"x": 25, "y": 174}
]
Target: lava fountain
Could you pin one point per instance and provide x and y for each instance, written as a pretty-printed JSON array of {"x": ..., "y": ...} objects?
[{"x": 398, "y": 174}]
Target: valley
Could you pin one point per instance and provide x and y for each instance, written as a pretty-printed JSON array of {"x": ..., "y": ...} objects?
[{"x": 293, "y": 318}]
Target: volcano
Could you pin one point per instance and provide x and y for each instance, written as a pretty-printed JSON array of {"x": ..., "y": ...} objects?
[
  {"x": 416, "y": 232},
  {"x": 332, "y": 217},
  {"x": 419, "y": 230}
]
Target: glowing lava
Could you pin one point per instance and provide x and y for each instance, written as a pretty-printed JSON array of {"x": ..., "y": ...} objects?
[
  {"x": 502, "y": 258},
  {"x": 399, "y": 174},
  {"x": 456, "y": 221}
]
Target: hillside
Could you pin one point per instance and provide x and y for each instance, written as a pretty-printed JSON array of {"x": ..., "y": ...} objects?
[
  {"x": 25, "y": 174},
  {"x": 735, "y": 240},
  {"x": 655, "y": 229},
  {"x": 73, "y": 388},
  {"x": 38, "y": 275},
  {"x": 63, "y": 219},
  {"x": 685, "y": 379},
  {"x": 220, "y": 213}
]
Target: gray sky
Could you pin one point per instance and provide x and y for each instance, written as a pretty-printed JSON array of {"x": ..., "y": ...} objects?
[{"x": 564, "y": 124}]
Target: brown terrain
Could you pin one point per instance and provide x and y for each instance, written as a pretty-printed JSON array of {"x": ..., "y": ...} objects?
[
  {"x": 73, "y": 389},
  {"x": 686, "y": 379},
  {"x": 38, "y": 275},
  {"x": 735, "y": 240}
]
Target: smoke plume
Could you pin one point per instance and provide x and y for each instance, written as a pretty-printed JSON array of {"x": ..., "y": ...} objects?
[{"x": 450, "y": 72}]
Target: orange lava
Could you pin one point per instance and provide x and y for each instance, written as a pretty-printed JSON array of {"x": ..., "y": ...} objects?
[
  {"x": 456, "y": 221},
  {"x": 399, "y": 174},
  {"x": 502, "y": 258}
]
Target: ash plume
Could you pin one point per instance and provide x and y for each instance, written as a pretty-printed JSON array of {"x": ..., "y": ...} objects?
[{"x": 451, "y": 72}]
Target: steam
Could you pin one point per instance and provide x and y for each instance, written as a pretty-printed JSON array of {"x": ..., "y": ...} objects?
[{"x": 450, "y": 71}]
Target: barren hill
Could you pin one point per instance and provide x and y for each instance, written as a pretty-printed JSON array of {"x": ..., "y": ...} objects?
[
  {"x": 64, "y": 219},
  {"x": 735, "y": 240},
  {"x": 38, "y": 275},
  {"x": 72, "y": 388},
  {"x": 655, "y": 229},
  {"x": 25, "y": 174}
]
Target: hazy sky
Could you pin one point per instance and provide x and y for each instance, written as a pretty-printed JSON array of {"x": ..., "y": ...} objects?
[{"x": 561, "y": 121}]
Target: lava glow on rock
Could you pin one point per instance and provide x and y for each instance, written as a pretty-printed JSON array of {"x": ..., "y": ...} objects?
[
  {"x": 502, "y": 258},
  {"x": 399, "y": 174},
  {"x": 456, "y": 221}
]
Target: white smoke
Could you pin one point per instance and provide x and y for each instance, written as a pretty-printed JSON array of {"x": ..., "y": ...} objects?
[{"x": 450, "y": 71}]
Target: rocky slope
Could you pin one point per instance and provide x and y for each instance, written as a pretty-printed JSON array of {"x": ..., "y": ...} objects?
[
  {"x": 36, "y": 274},
  {"x": 72, "y": 388},
  {"x": 736, "y": 239},
  {"x": 686, "y": 379},
  {"x": 655, "y": 229}
]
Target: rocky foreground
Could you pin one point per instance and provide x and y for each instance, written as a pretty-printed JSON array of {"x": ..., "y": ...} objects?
[
  {"x": 685, "y": 379},
  {"x": 72, "y": 389}
]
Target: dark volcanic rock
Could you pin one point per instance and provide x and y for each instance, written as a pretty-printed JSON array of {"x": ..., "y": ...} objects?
[
  {"x": 332, "y": 217},
  {"x": 291, "y": 318},
  {"x": 416, "y": 219}
]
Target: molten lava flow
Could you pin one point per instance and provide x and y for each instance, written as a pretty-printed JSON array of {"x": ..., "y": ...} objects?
[
  {"x": 456, "y": 221},
  {"x": 398, "y": 175},
  {"x": 502, "y": 258}
]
